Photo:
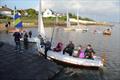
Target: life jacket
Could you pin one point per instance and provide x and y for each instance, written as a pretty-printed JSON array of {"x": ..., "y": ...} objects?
[{"x": 81, "y": 54}]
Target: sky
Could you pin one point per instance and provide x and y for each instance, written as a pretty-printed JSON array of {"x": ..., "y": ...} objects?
[{"x": 100, "y": 10}]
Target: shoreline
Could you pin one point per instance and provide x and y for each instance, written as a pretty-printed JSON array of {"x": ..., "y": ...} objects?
[{"x": 25, "y": 64}]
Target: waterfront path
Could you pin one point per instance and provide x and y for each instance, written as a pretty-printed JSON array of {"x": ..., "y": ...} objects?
[{"x": 24, "y": 66}]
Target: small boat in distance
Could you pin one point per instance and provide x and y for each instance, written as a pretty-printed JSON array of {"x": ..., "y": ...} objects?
[{"x": 107, "y": 32}]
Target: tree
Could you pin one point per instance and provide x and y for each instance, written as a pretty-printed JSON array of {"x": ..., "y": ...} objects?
[{"x": 31, "y": 12}]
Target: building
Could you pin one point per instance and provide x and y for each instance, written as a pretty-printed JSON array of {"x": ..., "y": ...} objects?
[
  {"x": 49, "y": 13},
  {"x": 5, "y": 11}
]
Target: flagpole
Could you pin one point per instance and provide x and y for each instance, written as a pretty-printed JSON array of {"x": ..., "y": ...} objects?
[{"x": 14, "y": 16}]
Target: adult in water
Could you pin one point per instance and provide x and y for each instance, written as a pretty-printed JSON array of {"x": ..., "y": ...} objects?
[
  {"x": 17, "y": 37},
  {"x": 47, "y": 47},
  {"x": 26, "y": 40}
]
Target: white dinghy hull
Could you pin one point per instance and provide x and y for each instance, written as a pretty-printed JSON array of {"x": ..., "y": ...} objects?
[{"x": 97, "y": 62}]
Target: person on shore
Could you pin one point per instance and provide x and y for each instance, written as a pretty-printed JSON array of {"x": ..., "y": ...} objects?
[
  {"x": 47, "y": 47},
  {"x": 17, "y": 37},
  {"x": 69, "y": 48},
  {"x": 26, "y": 40},
  {"x": 59, "y": 47},
  {"x": 9, "y": 23},
  {"x": 89, "y": 52},
  {"x": 6, "y": 26},
  {"x": 30, "y": 34}
]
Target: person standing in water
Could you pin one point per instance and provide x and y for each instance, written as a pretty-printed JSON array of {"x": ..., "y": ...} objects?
[
  {"x": 47, "y": 47},
  {"x": 30, "y": 34},
  {"x": 26, "y": 40},
  {"x": 17, "y": 37}
]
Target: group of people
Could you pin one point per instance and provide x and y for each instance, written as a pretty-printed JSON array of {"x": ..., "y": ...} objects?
[
  {"x": 88, "y": 53},
  {"x": 17, "y": 36}
]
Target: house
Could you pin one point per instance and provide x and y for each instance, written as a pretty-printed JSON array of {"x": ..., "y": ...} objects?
[
  {"x": 49, "y": 13},
  {"x": 5, "y": 11}
]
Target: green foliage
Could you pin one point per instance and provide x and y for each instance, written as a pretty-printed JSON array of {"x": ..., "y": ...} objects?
[
  {"x": 63, "y": 18},
  {"x": 31, "y": 12},
  {"x": 87, "y": 19}
]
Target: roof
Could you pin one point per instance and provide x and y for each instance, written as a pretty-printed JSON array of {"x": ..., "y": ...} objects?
[
  {"x": 5, "y": 9},
  {"x": 49, "y": 10}
]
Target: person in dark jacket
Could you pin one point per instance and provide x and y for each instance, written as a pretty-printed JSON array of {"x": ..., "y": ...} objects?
[
  {"x": 69, "y": 48},
  {"x": 26, "y": 40},
  {"x": 30, "y": 34},
  {"x": 9, "y": 23},
  {"x": 89, "y": 52},
  {"x": 17, "y": 37},
  {"x": 47, "y": 47}
]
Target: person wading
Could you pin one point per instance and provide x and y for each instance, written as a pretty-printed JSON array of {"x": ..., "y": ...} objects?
[
  {"x": 26, "y": 40},
  {"x": 17, "y": 37}
]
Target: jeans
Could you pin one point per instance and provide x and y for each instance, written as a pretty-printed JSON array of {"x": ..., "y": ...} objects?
[{"x": 18, "y": 45}]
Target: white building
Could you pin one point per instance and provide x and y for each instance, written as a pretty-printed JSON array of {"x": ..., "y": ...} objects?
[
  {"x": 48, "y": 13},
  {"x": 5, "y": 11}
]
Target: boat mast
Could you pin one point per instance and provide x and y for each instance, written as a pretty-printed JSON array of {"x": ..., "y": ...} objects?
[
  {"x": 41, "y": 30},
  {"x": 14, "y": 16},
  {"x": 68, "y": 20},
  {"x": 78, "y": 18}
]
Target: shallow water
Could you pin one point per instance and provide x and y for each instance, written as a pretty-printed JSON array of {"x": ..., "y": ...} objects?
[{"x": 103, "y": 45}]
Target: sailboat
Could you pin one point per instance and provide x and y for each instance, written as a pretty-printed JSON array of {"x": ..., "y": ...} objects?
[
  {"x": 41, "y": 30},
  {"x": 69, "y": 27},
  {"x": 65, "y": 59},
  {"x": 78, "y": 27}
]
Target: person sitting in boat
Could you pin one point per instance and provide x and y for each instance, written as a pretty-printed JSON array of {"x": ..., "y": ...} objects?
[
  {"x": 47, "y": 47},
  {"x": 59, "y": 47},
  {"x": 89, "y": 52},
  {"x": 81, "y": 52},
  {"x": 69, "y": 48}
]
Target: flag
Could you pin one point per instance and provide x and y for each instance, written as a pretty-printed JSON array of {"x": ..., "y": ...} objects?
[{"x": 17, "y": 20}]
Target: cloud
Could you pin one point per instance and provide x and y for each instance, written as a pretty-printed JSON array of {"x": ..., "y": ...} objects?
[{"x": 86, "y": 7}]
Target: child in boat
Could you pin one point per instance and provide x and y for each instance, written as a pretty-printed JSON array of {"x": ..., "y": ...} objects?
[
  {"x": 59, "y": 47},
  {"x": 89, "y": 52},
  {"x": 81, "y": 52}
]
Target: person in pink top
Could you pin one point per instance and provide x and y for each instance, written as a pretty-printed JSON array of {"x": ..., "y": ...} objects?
[{"x": 81, "y": 52}]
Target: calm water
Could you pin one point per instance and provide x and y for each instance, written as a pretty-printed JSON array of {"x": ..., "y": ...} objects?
[{"x": 108, "y": 45}]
